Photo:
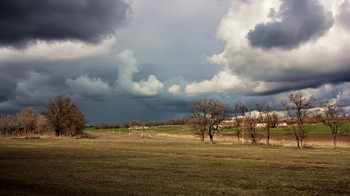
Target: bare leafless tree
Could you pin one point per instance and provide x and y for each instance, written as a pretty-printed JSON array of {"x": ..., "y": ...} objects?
[
  {"x": 275, "y": 120},
  {"x": 43, "y": 125},
  {"x": 64, "y": 116},
  {"x": 333, "y": 118},
  {"x": 270, "y": 119},
  {"x": 28, "y": 119},
  {"x": 13, "y": 124},
  {"x": 4, "y": 124},
  {"x": 250, "y": 120},
  {"x": 298, "y": 108},
  {"x": 238, "y": 116},
  {"x": 197, "y": 126},
  {"x": 207, "y": 115}
]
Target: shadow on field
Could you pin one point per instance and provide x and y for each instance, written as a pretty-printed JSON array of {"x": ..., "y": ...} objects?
[{"x": 113, "y": 164}]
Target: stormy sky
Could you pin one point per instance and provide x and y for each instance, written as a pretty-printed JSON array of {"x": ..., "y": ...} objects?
[{"x": 149, "y": 59}]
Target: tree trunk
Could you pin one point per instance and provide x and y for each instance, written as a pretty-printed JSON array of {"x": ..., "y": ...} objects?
[
  {"x": 298, "y": 145},
  {"x": 243, "y": 136},
  {"x": 211, "y": 136},
  {"x": 297, "y": 138},
  {"x": 301, "y": 143},
  {"x": 253, "y": 138},
  {"x": 268, "y": 137},
  {"x": 335, "y": 140},
  {"x": 202, "y": 137}
]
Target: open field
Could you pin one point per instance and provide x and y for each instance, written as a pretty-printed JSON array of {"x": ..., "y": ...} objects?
[
  {"x": 319, "y": 136},
  {"x": 113, "y": 164},
  {"x": 316, "y": 129},
  {"x": 160, "y": 129}
]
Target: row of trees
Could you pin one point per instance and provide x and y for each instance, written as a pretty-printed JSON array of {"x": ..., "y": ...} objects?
[
  {"x": 208, "y": 116},
  {"x": 61, "y": 117},
  {"x": 128, "y": 124},
  {"x": 106, "y": 125}
]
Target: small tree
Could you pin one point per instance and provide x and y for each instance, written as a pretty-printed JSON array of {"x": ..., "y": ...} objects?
[
  {"x": 198, "y": 127},
  {"x": 64, "y": 117},
  {"x": 298, "y": 109},
  {"x": 275, "y": 120},
  {"x": 13, "y": 124},
  {"x": 250, "y": 120},
  {"x": 28, "y": 119},
  {"x": 270, "y": 119},
  {"x": 43, "y": 125},
  {"x": 239, "y": 120},
  {"x": 206, "y": 115},
  {"x": 332, "y": 117},
  {"x": 4, "y": 124}
]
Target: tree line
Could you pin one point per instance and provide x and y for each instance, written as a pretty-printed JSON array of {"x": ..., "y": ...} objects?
[
  {"x": 138, "y": 123},
  {"x": 209, "y": 116},
  {"x": 61, "y": 117}
]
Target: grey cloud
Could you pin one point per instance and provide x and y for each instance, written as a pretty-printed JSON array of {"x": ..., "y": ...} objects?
[
  {"x": 300, "y": 79},
  {"x": 33, "y": 83},
  {"x": 25, "y": 21},
  {"x": 125, "y": 107},
  {"x": 344, "y": 15},
  {"x": 9, "y": 76},
  {"x": 300, "y": 22},
  {"x": 7, "y": 84}
]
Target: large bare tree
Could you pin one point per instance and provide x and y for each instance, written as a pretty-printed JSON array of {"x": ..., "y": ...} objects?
[
  {"x": 332, "y": 117},
  {"x": 297, "y": 107},
  {"x": 207, "y": 115},
  {"x": 64, "y": 116}
]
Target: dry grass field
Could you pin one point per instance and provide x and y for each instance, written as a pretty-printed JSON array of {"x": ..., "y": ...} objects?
[
  {"x": 277, "y": 139},
  {"x": 113, "y": 164}
]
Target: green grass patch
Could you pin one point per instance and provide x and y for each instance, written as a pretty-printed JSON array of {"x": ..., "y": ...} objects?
[
  {"x": 173, "y": 129},
  {"x": 315, "y": 129},
  {"x": 92, "y": 129},
  {"x": 322, "y": 129},
  {"x": 129, "y": 165}
]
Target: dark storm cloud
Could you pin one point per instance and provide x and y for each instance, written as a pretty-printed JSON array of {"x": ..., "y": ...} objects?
[
  {"x": 124, "y": 108},
  {"x": 9, "y": 76},
  {"x": 25, "y": 21},
  {"x": 7, "y": 86},
  {"x": 302, "y": 79},
  {"x": 26, "y": 85},
  {"x": 300, "y": 22},
  {"x": 31, "y": 84}
]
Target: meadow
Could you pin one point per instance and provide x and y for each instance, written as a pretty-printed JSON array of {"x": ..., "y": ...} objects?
[
  {"x": 319, "y": 136},
  {"x": 107, "y": 163},
  {"x": 315, "y": 129}
]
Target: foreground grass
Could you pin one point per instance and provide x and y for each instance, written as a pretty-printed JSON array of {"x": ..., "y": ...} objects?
[{"x": 129, "y": 165}]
